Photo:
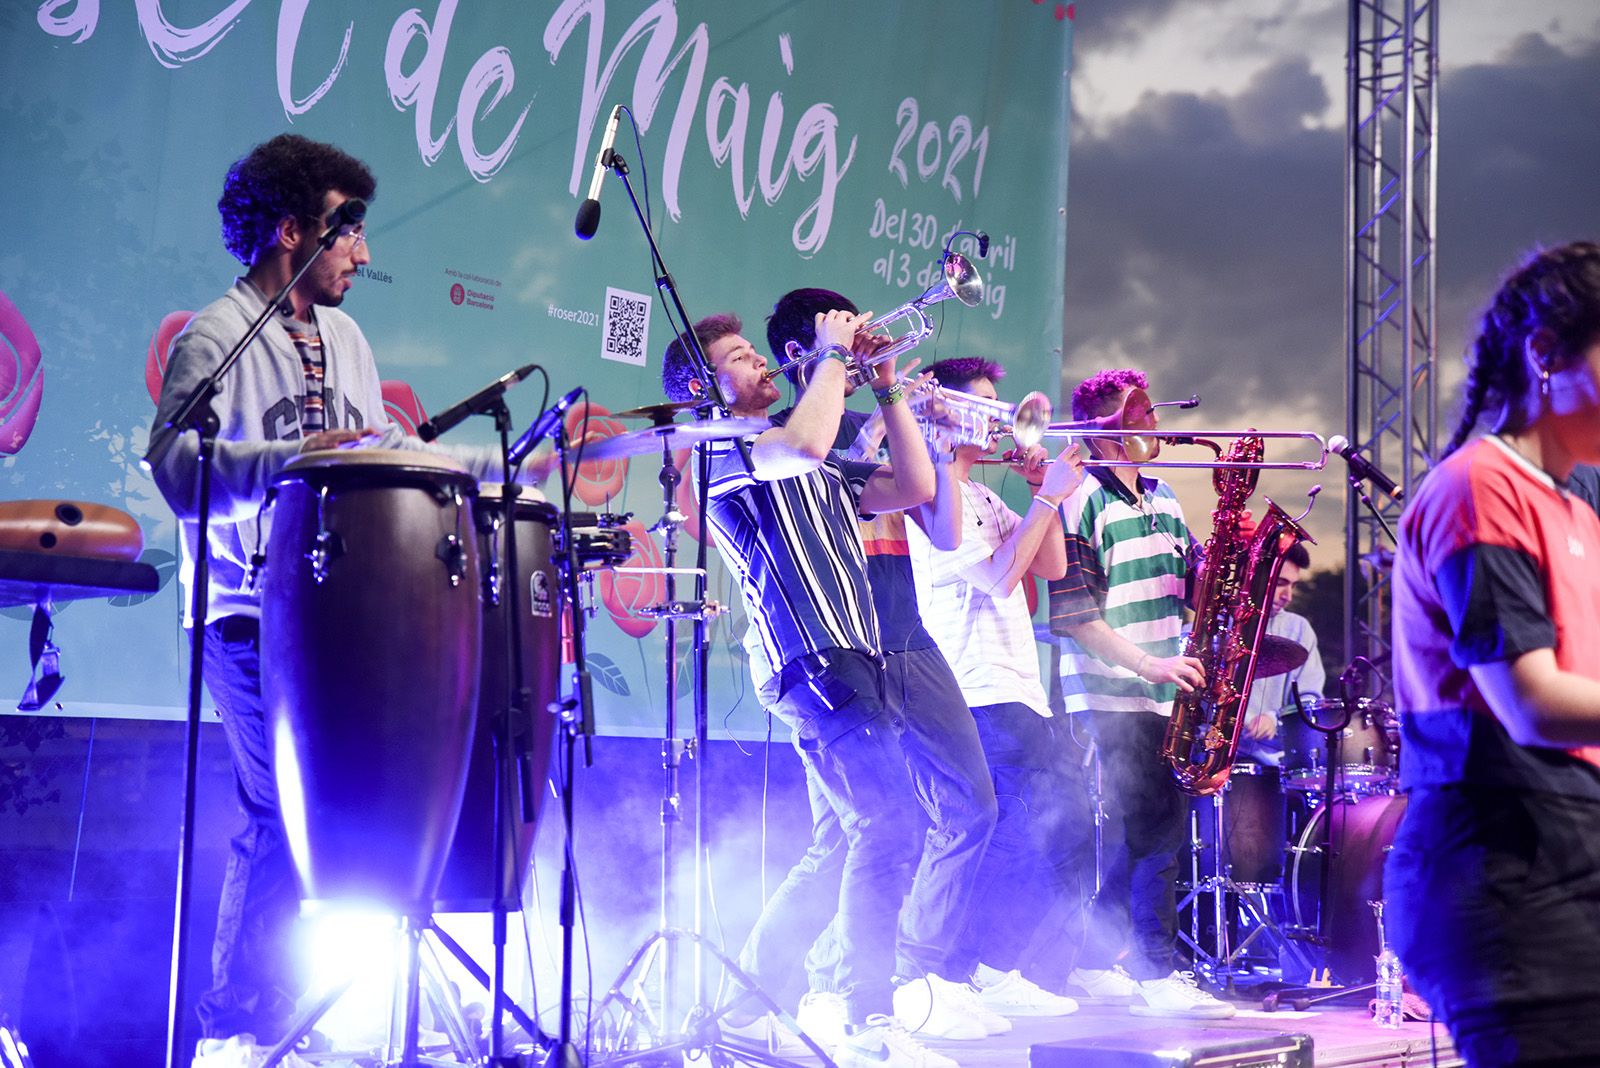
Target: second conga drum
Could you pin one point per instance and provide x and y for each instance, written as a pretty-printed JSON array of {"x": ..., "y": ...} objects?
[
  {"x": 468, "y": 880},
  {"x": 370, "y": 658}
]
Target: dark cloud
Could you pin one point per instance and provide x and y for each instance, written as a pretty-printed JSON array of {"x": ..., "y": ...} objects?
[
  {"x": 1206, "y": 233},
  {"x": 1204, "y": 237},
  {"x": 1116, "y": 21}
]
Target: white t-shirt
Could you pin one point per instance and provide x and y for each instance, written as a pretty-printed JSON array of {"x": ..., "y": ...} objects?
[{"x": 988, "y": 640}]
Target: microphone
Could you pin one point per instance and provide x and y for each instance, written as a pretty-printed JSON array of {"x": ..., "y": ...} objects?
[
  {"x": 350, "y": 213},
  {"x": 983, "y": 245},
  {"x": 588, "y": 220},
  {"x": 476, "y": 404},
  {"x": 548, "y": 423},
  {"x": 1363, "y": 468}
]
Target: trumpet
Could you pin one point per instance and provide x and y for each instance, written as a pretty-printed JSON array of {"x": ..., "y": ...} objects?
[
  {"x": 960, "y": 280},
  {"x": 950, "y": 418}
]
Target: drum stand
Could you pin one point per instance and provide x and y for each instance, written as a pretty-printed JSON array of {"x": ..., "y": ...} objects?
[{"x": 1219, "y": 961}]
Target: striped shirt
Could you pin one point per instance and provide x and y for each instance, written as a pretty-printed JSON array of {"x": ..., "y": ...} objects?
[
  {"x": 795, "y": 547},
  {"x": 1127, "y": 563},
  {"x": 308, "y": 343},
  {"x": 988, "y": 640}
]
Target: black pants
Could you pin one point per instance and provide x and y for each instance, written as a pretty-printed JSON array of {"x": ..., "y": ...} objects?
[{"x": 1494, "y": 909}]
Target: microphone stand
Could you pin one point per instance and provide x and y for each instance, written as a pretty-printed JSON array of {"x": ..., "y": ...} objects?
[
  {"x": 1358, "y": 486},
  {"x": 699, "y": 1031},
  {"x": 197, "y": 414},
  {"x": 576, "y": 714}
]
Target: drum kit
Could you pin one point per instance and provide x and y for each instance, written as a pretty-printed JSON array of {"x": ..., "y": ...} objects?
[
  {"x": 387, "y": 667},
  {"x": 1291, "y": 858}
]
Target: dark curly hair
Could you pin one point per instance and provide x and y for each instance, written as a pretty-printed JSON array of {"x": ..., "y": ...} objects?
[
  {"x": 959, "y": 372},
  {"x": 288, "y": 175},
  {"x": 1554, "y": 289},
  {"x": 794, "y": 318},
  {"x": 1089, "y": 399},
  {"x": 677, "y": 369}
]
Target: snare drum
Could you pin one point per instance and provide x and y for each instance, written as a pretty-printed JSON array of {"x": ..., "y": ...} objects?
[
  {"x": 1368, "y": 747},
  {"x": 599, "y": 540},
  {"x": 370, "y": 655}
]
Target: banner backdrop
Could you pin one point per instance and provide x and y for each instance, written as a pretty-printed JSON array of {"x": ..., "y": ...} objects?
[{"x": 782, "y": 144}]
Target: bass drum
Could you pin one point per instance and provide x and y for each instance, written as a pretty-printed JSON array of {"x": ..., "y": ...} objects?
[
  {"x": 468, "y": 880},
  {"x": 1363, "y": 832}
]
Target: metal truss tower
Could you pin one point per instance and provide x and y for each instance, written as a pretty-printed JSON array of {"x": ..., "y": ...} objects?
[{"x": 1391, "y": 380}]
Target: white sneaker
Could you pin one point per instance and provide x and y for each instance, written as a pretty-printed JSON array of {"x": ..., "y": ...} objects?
[
  {"x": 1179, "y": 995},
  {"x": 240, "y": 1051},
  {"x": 1010, "y": 994},
  {"x": 936, "y": 1007},
  {"x": 993, "y": 1022},
  {"x": 825, "y": 1017},
  {"x": 1105, "y": 984},
  {"x": 885, "y": 1043},
  {"x": 767, "y": 1034}
]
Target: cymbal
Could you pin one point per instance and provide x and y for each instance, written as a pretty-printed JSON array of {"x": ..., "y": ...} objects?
[
  {"x": 664, "y": 412},
  {"x": 1279, "y": 656},
  {"x": 673, "y": 436}
]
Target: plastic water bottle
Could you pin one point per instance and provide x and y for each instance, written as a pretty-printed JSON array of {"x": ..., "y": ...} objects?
[{"x": 1390, "y": 1010}]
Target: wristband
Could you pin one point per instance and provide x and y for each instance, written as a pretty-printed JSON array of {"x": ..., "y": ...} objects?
[
  {"x": 1047, "y": 502},
  {"x": 891, "y": 394}
]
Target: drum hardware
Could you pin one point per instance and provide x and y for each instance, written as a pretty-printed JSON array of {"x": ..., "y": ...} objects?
[
  {"x": 195, "y": 413},
  {"x": 1244, "y": 833}
]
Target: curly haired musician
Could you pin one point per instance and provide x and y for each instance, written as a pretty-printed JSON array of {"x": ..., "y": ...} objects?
[
  {"x": 306, "y": 382},
  {"x": 1494, "y": 881},
  {"x": 786, "y": 527},
  {"x": 1119, "y": 611}
]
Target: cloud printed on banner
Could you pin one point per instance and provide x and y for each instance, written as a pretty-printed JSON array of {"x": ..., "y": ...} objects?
[
  {"x": 623, "y": 594},
  {"x": 401, "y": 404},
  {"x": 160, "y": 350},
  {"x": 597, "y": 481}
]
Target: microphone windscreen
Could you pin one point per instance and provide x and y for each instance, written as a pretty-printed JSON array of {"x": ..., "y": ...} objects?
[{"x": 588, "y": 219}]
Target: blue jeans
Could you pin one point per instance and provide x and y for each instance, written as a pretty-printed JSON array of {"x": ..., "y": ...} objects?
[
  {"x": 1041, "y": 840},
  {"x": 850, "y": 745},
  {"x": 945, "y": 757},
  {"x": 255, "y": 982},
  {"x": 1152, "y": 815}
]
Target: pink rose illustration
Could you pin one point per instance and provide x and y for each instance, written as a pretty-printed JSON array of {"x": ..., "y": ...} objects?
[
  {"x": 21, "y": 378},
  {"x": 401, "y": 404},
  {"x": 623, "y": 594},
  {"x": 596, "y": 482},
  {"x": 155, "y": 360}
]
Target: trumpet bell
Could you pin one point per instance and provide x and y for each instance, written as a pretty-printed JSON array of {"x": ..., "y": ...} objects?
[
  {"x": 1031, "y": 418},
  {"x": 961, "y": 281}
]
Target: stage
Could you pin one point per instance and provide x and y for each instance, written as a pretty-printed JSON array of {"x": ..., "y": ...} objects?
[{"x": 1341, "y": 1037}]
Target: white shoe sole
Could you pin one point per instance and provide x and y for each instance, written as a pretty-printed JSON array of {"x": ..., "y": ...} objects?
[{"x": 1199, "y": 1012}]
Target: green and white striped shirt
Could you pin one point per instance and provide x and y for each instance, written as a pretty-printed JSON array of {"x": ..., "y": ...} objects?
[{"x": 1127, "y": 563}]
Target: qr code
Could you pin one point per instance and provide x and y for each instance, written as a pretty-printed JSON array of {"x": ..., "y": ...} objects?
[{"x": 625, "y": 333}]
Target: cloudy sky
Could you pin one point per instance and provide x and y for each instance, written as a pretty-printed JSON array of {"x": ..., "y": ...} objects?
[{"x": 1205, "y": 228}]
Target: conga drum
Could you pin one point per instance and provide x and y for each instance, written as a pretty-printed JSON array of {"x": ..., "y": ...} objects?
[
  {"x": 370, "y": 628},
  {"x": 468, "y": 883}
]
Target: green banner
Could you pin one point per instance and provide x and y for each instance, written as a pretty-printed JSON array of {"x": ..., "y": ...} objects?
[{"x": 781, "y": 144}]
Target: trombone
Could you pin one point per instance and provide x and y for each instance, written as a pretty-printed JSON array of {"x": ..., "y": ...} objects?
[
  {"x": 1085, "y": 430},
  {"x": 960, "y": 280}
]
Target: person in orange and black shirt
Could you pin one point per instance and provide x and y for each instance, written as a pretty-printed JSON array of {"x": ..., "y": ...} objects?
[{"x": 1494, "y": 881}]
